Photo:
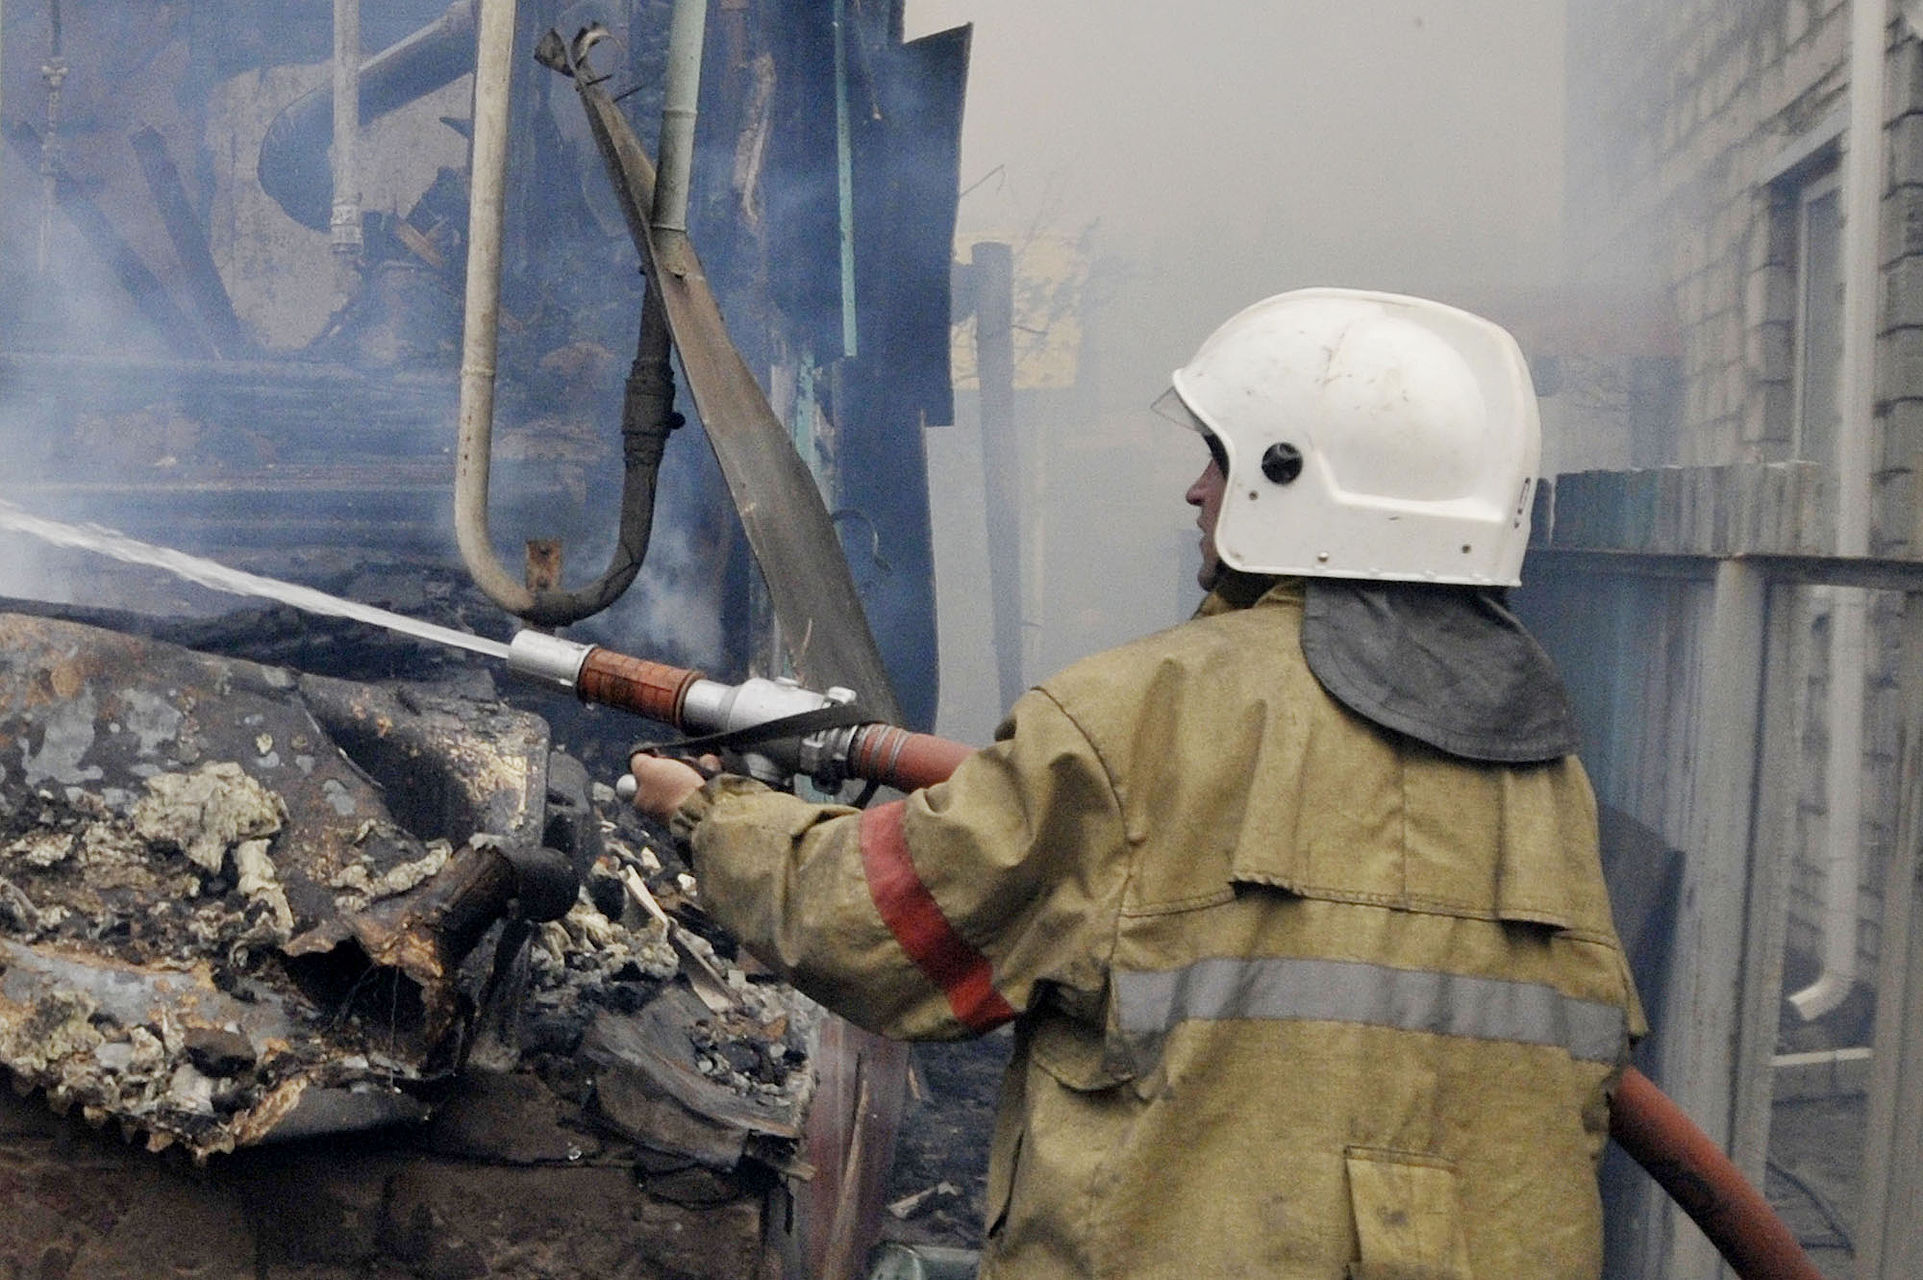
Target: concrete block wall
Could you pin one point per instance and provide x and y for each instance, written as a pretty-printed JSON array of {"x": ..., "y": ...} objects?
[
  {"x": 1685, "y": 115},
  {"x": 1899, "y": 391}
]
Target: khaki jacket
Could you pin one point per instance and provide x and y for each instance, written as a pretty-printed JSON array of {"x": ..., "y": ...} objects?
[{"x": 1294, "y": 997}]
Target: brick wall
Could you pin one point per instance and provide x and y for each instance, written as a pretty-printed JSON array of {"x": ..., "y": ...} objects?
[
  {"x": 1694, "y": 127},
  {"x": 1678, "y": 114}
]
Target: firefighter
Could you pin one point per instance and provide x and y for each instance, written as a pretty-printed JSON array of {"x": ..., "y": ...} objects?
[{"x": 1295, "y": 907}]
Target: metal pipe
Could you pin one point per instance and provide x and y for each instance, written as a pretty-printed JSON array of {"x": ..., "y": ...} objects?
[
  {"x": 781, "y": 511},
  {"x": 487, "y": 212},
  {"x": 1863, "y": 181},
  {"x": 54, "y": 72},
  {"x": 686, "y": 34},
  {"x": 1843, "y": 792},
  {"x": 344, "y": 227},
  {"x": 291, "y": 152},
  {"x": 648, "y": 415}
]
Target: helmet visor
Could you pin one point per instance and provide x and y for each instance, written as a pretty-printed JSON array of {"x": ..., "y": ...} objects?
[{"x": 1170, "y": 405}]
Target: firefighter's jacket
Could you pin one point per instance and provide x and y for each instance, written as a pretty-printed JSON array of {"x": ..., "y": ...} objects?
[{"x": 1293, "y": 996}]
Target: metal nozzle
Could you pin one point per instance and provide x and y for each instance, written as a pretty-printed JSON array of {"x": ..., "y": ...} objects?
[{"x": 547, "y": 659}]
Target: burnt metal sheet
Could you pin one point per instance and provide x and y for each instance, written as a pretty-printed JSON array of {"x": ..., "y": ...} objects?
[
  {"x": 469, "y": 767},
  {"x": 119, "y": 1042},
  {"x": 168, "y": 821},
  {"x": 651, "y": 1085},
  {"x": 223, "y": 922},
  {"x": 788, "y": 526}
]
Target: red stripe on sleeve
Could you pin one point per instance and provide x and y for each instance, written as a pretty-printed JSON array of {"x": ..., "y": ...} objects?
[{"x": 915, "y": 918}]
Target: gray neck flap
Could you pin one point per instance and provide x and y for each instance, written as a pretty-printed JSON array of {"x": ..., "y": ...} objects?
[{"x": 1448, "y": 666}]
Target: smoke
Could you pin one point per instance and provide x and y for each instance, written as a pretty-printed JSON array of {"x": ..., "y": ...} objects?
[
  {"x": 330, "y": 431},
  {"x": 1189, "y": 159},
  {"x": 1207, "y": 155}
]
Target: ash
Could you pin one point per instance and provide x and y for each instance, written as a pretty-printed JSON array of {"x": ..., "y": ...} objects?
[{"x": 150, "y": 886}]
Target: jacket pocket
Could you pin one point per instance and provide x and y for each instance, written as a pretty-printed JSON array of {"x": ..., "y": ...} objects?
[{"x": 1408, "y": 1217}]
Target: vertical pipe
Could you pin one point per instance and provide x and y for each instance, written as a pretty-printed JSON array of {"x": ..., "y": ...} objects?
[
  {"x": 54, "y": 72},
  {"x": 1863, "y": 181},
  {"x": 845, "y": 185},
  {"x": 681, "y": 99},
  {"x": 1843, "y": 800},
  {"x": 487, "y": 210},
  {"x": 345, "y": 225}
]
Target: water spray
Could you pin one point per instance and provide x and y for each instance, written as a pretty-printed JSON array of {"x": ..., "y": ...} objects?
[
  {"x": 824, "y": 736},
  {"x": 211, "y": 573}
]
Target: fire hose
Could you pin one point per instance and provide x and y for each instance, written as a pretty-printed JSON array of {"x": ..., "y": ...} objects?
[{"x": 823, "y": 738}]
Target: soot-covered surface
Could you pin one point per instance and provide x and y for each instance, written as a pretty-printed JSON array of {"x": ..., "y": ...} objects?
[{"x": 171, "y": 821}]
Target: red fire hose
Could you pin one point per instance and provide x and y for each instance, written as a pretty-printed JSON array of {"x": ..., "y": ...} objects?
[
  {"x": 1655, "y": 1132},
  {"x": 1687, "y": 1164}
]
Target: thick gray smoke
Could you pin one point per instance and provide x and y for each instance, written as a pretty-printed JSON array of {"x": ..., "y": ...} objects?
[
  {"x": 313, "y": 416},
  {"x": 1198, "y": 157}
]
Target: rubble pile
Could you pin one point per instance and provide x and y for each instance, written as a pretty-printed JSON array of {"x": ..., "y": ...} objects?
[
  {"x": 179, "y": 832},
  {"x": 688, "y": 1053},
  {"x": 172, "y": 825}
]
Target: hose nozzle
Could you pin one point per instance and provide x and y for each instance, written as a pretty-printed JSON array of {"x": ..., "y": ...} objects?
[
  {"x": 547, "y": 659},
  {"x": 594, "y": 674}
]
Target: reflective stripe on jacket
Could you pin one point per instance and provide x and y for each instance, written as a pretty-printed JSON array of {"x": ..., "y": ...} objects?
[{"x": 1294, "y": 996}]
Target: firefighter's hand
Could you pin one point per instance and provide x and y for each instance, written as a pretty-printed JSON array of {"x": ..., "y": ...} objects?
[{"x": 661, "y": 784}]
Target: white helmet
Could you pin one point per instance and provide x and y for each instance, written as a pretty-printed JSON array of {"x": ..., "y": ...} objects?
[{"x": 1367, "y": 435}]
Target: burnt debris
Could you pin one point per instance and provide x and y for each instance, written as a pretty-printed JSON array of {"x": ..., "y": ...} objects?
[{"x": 239, "y": 906}]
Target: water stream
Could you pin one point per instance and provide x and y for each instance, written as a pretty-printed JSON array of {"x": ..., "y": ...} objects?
[{"x": 209, "y": 573}]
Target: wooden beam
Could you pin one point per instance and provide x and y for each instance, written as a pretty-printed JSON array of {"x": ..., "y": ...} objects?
[
  {"x": 1784, "y": 669},
  {"x": 1889, "y": 1231},
  {"x": 1867, "y": 572},
  {"x": 1707, "y": 989}
]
